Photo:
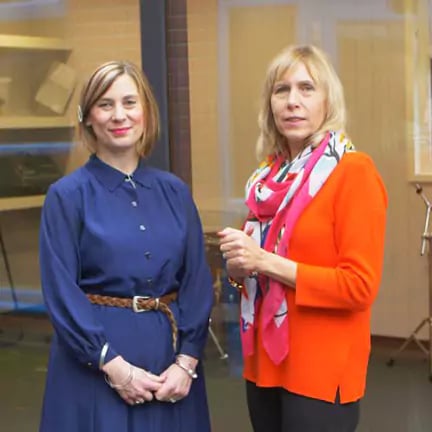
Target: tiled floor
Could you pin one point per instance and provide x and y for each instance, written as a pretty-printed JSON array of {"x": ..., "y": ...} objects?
[{"x": 398, "y": 399}]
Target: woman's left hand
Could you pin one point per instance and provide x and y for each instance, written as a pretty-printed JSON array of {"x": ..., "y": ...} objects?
[
  {"x": 241, "y": 252},
  {"x": 176, "y": 386}
]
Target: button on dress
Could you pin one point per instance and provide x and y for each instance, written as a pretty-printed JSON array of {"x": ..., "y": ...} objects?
[{"x": 106, "y": 233}]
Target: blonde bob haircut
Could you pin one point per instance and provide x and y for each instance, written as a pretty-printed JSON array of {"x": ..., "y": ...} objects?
[
  {"x": 98, "y": 84},
  {"x": 270, "y": 141}
]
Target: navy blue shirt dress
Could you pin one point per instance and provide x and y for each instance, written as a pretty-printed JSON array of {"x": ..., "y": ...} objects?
[{"x": 103, "y": 233}]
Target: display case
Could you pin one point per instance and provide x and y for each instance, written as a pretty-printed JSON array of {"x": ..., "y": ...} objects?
[{"x": 36, "y": 86}]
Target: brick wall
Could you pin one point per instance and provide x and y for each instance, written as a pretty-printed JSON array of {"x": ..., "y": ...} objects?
[
  {"x": 99, "y": 31},
  {"x": 111, "y": 30},
  {"x": 103, "y": 30},
  {"x": 178, "y": 89}
]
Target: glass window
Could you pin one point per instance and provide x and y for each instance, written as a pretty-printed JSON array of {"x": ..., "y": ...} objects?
[
  {"x": 381, "y": 51},
  {"x": 46, "y": 49}
]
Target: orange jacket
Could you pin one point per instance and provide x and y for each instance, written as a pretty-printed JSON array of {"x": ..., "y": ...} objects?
[{"x": 338, "y": 243}]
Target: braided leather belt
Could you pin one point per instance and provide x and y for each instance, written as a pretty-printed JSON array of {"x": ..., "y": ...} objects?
[{"x": 142, "y": 304}]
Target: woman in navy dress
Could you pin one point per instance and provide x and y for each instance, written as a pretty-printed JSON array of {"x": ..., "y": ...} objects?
[{"x": 124, "y": 276}]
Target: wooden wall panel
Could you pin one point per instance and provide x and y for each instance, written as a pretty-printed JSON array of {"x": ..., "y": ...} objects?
[{"x": 372, "y": 58}]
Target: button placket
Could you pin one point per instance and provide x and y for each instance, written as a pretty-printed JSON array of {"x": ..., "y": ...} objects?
[{"x": 133, "y": 190}]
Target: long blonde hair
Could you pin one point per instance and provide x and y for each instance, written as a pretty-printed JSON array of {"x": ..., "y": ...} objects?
[{"x": 270, "y": 141}]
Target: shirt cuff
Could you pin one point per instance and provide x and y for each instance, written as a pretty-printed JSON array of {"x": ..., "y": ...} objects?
[
  {"x": 93, "y": 363},
  {"x": 190, "y": 349}
]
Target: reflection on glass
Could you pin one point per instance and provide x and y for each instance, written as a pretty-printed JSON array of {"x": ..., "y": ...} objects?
[{"x": 224, "y": 326}]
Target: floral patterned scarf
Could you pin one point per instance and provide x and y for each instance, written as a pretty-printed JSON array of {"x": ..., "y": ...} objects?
[{"x": 276, "y": 195}]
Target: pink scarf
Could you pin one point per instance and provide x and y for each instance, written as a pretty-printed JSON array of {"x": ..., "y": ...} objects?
[{"x": 277, "y": 193}]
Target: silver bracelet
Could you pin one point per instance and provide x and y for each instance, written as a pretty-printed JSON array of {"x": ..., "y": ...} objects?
[
  {"x": 128, "y": 380},
  {"x": 191, "y": 372},
  {"x": 103, "y": 354}
]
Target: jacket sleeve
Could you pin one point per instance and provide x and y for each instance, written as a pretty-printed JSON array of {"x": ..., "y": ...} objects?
[
  {"x": 68, "y": 308},
  {"x": 359, "y": 232},
  {"x": 196, "y": 288}
]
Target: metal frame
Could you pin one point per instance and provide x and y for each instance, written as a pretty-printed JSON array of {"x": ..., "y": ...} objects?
[{"x": 426, "y": 238}]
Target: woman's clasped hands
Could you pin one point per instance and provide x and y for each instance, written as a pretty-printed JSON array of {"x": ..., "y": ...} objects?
[{"x": 137, "y": 386}]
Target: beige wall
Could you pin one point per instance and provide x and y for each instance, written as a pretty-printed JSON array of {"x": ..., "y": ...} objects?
[
  {"x": 378, "y": 65},
  {"x": 372, "y": 60},
  {"x": 251, "y": 32},
  {"x": 98, "y": 31},
  {"x": 203, "y": 84},
  {"x": 256, "y": 35}
]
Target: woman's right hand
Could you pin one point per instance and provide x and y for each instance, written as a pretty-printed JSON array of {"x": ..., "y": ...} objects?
[{"x": 137, "y": 390}]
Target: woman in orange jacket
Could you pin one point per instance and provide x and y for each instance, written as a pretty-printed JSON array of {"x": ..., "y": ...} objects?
[{"x": 309, "y": 258}]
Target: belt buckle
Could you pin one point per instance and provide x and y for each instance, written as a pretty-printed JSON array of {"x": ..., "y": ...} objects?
[{"x": 135, "y": 300}]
